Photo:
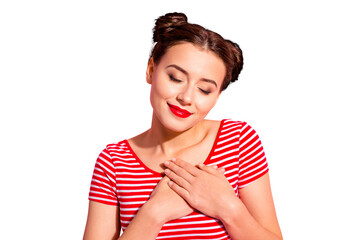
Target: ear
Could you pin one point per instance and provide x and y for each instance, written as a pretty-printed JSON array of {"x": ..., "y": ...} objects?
[{"x": 149, "y": 71}]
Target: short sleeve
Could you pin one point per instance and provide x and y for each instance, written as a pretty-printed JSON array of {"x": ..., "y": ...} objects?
[
  {"x": 252, "y": 160},
  {"x": 103, "y": 183}
]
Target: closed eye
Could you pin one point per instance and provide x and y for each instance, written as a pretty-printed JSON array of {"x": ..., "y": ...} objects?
[
  {"x": 174, "y": 79},
  {"x": 204, "y": 91}
]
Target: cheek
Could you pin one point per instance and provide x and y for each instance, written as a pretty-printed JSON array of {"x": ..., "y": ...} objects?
[
  {"x": 162, "y": 89},
  {"x": 206, "y": 104},
  {"x": 159, "y": 92}
]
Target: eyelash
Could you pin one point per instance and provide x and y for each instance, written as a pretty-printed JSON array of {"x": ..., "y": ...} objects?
[
  {"x": 204, "y": 91},
  {"x": 177, "y": 80},
  {"x": 174, "y": 79}
]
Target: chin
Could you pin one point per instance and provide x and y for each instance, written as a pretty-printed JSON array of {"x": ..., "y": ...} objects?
[{"x": 179, "y": 125}]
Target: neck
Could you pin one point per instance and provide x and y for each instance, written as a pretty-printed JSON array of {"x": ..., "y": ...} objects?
[{"x": 170, "y": 143}]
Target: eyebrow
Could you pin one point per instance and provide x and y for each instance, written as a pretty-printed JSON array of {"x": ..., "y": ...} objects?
[{"x": 187, "y": 74}]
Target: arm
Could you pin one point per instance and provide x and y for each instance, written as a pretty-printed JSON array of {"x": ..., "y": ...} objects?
[
  {"x": 254, "y": 216},
  {"x": 144, "y": 226},
  {"x": 103, "y": 215},
  {"x": 102, "y": 222}
]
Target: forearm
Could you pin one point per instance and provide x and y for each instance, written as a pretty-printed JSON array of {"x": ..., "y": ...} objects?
[
  {"x": 144, "y": 226},
  {"x": 240, "y": 224}
]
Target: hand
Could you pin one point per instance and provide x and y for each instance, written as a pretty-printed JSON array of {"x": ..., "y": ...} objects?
[
  {"x": 205, "y": 188},
  {"x": 167, "y": 204}
]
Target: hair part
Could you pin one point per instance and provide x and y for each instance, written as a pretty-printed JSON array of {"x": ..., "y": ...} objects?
[{"x": 173, "y": 28}]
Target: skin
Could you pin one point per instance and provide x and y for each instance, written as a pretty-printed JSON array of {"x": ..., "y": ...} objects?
[{"x": 189, "y": 77}]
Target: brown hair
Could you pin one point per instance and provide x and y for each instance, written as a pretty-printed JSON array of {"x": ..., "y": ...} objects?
[{"x": 173, "y": 28}]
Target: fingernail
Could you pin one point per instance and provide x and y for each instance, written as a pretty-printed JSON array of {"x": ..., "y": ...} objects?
[
  {"x": 167, "y": 171},
  {"x": 170, "y": 183},
  {"x": 166, "y": 163},
  {"x": 215, "y": 167},
  {"x": 173, "y": 159}
]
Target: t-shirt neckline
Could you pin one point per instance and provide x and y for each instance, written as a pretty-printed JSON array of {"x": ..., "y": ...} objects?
[{"x": 159, "y": 174}]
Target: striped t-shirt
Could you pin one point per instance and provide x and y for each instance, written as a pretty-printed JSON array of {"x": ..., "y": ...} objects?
[{"x": 121, "y": 179}]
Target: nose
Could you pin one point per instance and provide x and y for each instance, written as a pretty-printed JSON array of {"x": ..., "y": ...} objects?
[{"x": 185, "y": 96}]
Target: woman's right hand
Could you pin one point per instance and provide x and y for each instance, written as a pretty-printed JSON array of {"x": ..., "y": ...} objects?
[
  {"x": 163, "y": 205},
  {"x": 166, "y": 203}
]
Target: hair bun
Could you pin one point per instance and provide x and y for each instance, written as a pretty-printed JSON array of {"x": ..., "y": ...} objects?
[{"x": 166, "y": 23}]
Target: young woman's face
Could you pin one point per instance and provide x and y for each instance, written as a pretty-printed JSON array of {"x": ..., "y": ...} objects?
[{"x": 186, "y": 84}]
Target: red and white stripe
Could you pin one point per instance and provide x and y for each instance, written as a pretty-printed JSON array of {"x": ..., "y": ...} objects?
[{"x": 121, "y": 179}]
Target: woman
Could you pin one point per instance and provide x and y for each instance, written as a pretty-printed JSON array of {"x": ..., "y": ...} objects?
[{"x": 185, "y": 177}]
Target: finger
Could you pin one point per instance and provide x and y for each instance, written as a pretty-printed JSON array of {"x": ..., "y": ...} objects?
[
  {"x": 179, "y": 190},
  {"x": 221, "y": 170},
  {"x": 179, "y": 170},
  {"x": 185, "y": 165},
  {"x": 165, "y": 179},
  {"x": 213, "y": 169},
  {"x": 177, "y": 179}
]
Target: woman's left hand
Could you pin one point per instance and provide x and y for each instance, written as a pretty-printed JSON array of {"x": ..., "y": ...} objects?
[{"x": 204, "y": 188}]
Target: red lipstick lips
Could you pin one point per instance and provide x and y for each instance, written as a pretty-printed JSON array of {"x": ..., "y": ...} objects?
[{"x": 179, "y": 111}]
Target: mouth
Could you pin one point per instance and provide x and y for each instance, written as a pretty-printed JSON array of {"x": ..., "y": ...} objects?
[{"x": 179, "y": 112}]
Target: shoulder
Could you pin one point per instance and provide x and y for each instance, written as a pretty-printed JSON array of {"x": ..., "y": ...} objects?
[
  {"x": 243, "y": 126},
  {"x": 117, "y": 148},
  {"x": 224, "y": 123},
  {"x": 234, "y": 128},
  {"x": 230, "y": 124}
]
